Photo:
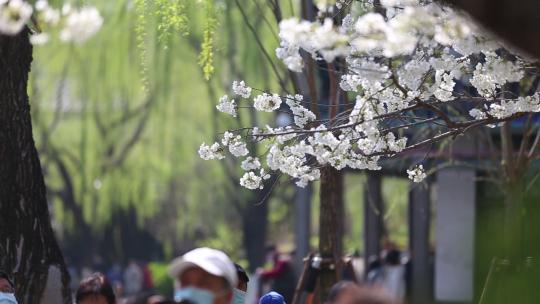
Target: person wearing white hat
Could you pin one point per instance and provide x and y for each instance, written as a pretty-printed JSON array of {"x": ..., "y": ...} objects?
[{"x": 203, "y": 276}]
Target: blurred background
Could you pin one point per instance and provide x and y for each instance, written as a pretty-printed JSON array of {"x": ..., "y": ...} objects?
[{"x": 118, "y": 122}]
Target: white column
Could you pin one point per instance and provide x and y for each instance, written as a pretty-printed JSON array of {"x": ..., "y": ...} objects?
[{"x": 454, "y": 233}]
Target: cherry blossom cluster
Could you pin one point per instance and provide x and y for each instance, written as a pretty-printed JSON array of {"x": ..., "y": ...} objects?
[
  {"x": 405, "y": 68},
  {"x": 75, "y": 25},
  {"x": 417, "y": 174}
]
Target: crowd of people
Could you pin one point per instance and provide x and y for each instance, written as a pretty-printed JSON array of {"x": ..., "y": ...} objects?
[{"x": 208, "y": 276}]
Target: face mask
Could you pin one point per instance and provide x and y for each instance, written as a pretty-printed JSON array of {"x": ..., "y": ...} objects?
[
  {"x": 239, "y": 296},
  {"x": 7, "y": 298},
  {"x": 194, "y": 295}
]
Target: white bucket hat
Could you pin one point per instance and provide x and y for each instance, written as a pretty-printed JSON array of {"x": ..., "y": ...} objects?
[{"x": 210, "y": 260}]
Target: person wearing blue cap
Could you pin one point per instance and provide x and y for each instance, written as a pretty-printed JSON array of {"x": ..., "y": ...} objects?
[{"x": 272, "y": 298}]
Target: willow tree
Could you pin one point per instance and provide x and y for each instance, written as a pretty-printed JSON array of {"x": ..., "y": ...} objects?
[{"x": 112, "y": 135}]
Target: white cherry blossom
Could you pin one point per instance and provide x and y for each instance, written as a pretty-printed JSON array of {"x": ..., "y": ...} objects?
[
  {"x": 81, "y": 24},
  {"x": 239, "y": 88},
  {"x": 251, "y": 163},
  {"x": 403, "y": 71},
  {"x": 13, "y": 16},
  {"x": 227, "y": 106},
  {"x": 267, "y": 102},
  {"x": 251, "y": 181},
  {"x": 417, "y": 174},
  {"x": 214, "y": 151}
]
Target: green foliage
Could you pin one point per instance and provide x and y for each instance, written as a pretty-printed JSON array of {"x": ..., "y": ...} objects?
[
  {"x": 161, "y": 279},
  {"x": 171, "y": 19},
  {"x": 227, "y": 238},
  {"x": 354, "y": 209},
  {"x": 143, "y": 72},
  {"x": 126, "y": 112},
  {"x": 141, "y": 34},
  {"x": 206, "y": 57},
  {"x": 396, "y": 198}
]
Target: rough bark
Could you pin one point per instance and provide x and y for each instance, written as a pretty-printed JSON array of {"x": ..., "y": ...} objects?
[
  {"x": 330, "y": 231},
  {"x": 28, "y": 247}
]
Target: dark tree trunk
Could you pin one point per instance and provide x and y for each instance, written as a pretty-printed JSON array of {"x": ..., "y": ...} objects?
[
  {"x": 255, "y": 221},
  {"x": 374, "y": 227},
  {"x": 28, "y": 247},
  {"x": 420, "y": 267},
  {"x": 255, "y": 224},
  {"x": 330, "y": 229}
]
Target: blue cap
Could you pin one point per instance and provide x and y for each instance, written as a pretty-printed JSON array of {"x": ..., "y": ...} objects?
[{"x": 272, "y": 298}]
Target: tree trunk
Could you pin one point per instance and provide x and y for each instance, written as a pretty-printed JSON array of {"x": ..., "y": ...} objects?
[
  {"x": 374, "y": 226},
  {"x": 330, "y": 231},
  {"x": 420, "y": 277},
  {"x": 255, "y": 226},
  {"x": 28, "y": 247}
]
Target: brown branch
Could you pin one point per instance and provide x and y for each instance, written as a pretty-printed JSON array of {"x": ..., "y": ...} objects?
[{"x": 312, "y": 87}]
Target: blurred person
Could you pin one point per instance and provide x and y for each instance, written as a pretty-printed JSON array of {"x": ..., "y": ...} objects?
[
  {"x": 86, "y": 272},
  {"x": 272, "y": 298},
  {"x": 7, "y": 289},
  {"x": 374, "y": 270},
  {"x": 95, "y": 290},
  {"x": 73, "y": 274},
  {"x": 148, "y": 282},
  {"x": 374, "y": 295},
  {"x": 133, "y": 278},
  {"x": 115, "y": 275},
  {"x": 204, "y": 276},
  {"x": 281, "y": 274},
  {"x": 118, "y": 288},
  {"x": 243, "y": 278},
  {"x": 147, "y": 298},
  {"x": 158, "y": 299},
  {"x": 393, "y": 278},
  {"x": 343, "y": 292},
  {"x": 240, "y": 290},
  {"x": 347, "y": 292}
]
